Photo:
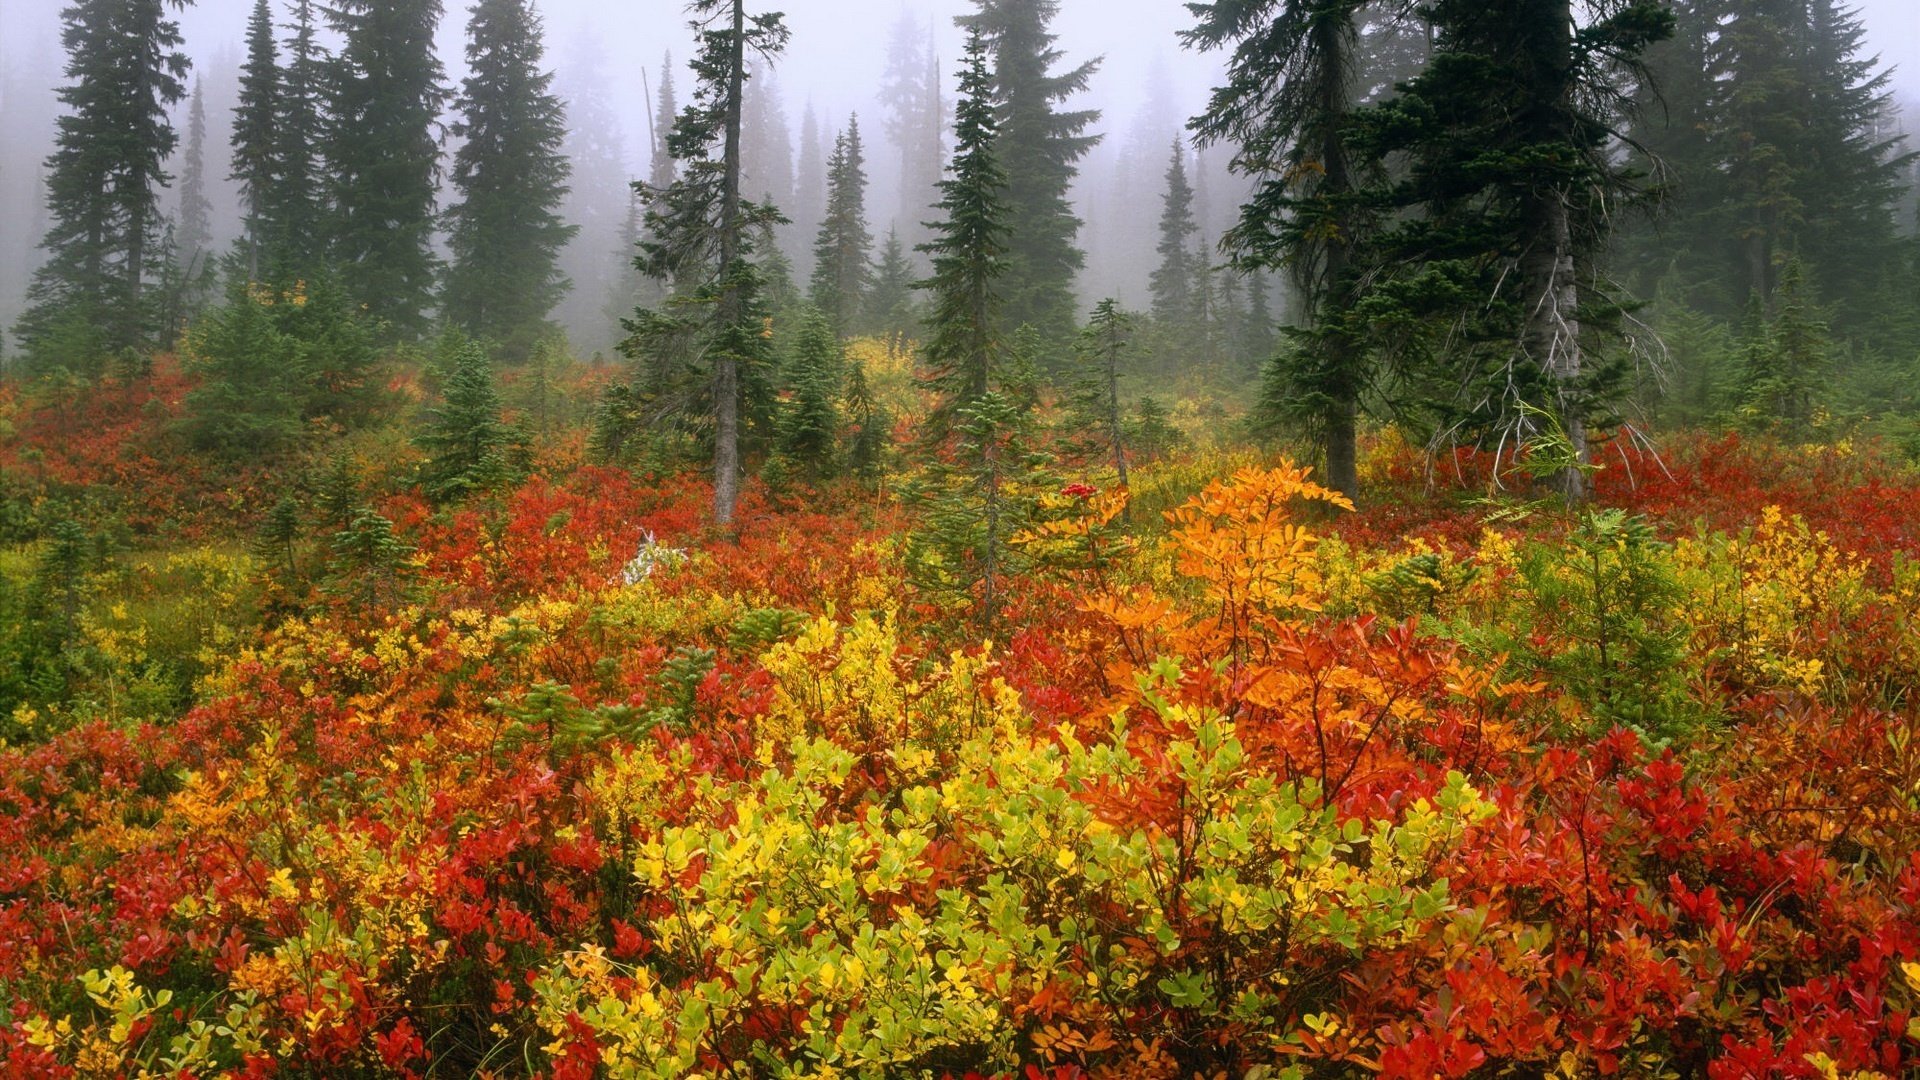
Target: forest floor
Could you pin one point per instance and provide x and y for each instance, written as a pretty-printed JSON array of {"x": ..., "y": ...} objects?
[{"x": 1459, "y": 783}]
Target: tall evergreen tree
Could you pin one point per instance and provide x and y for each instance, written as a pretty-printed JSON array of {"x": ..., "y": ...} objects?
[
  {"x": 88, "y": 300},
  {"x": 969, "y": 250},
  {"x": 193, "y": 233},
  {"x": 1040, "y": 147},
  {"x": 889, "y": 303},
  {"x": 766, "y": 145},
  {"x": 1516, "y": 183},
  {"x": 256, "y": 133},
  {"x": 1172, "y": 281},
  {"x": 506, "y": 233},
  {"x": 660, "y": 164},
  {"x": 382, "y": 156},
  {"x": 915, "y": 120},
  {"x": 1104, "y": 343},
  {"x": 706, "y": 356},
  {"x": 1290, "y": 87},
  {"x": 842, "y": 252},
  {"x": 1764, "y": 119},
  {"x": 295, "y": 206},
  {"x": 809, "y": 191}
]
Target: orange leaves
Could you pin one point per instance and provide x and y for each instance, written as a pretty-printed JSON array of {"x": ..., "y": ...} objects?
[{"x": 1239, "y": 541}]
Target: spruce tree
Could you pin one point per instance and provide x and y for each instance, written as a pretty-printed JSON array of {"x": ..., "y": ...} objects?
[
  {"x": 809, "y": 426},
  {"x": 1502, "y": 218},
  {"x": 1040, "y": 147},
  {"x": 506, "y": 233},
  {"x": 382, "y": 156},
  {"x": 870, "y": 434},
  {"x": 256, "y": 142},
  {"x": 889, "y": 302},
  {"x": 915, "y": 120},
  {"x": 466, "y": 442},
  {"x": 88, "y": 300},
  {"x": 294, "y": 234},
  {"x": 969, "y": 251},
  {"x": 1290, "y": 87},
  {"x": 1172, "y": 280},
  {"x": 1104, "y": 343},
  {"x": 193, "y": 234},
  {"x": 842, "y": 261},
  {"x": 247, "y": 405},
  {"x": 809, "y": 190},
  {"x": 704, "y": 356}
]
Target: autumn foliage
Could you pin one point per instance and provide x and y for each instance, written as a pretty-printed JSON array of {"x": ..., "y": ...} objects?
[{"x": 1255, "y": 787}]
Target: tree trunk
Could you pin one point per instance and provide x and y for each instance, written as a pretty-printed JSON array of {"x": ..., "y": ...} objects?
[
  {"x": 1552, "y": 332},
  {"x": 1333, "y": 42},
  {"x": 726, "y": 373},
  {"x": 1550, "y": 335}
]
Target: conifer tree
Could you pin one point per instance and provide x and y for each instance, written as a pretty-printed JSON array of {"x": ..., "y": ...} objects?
[
  {"x": 842, "y": 260},
  {"x": 466, "y": 442},
  {"x": 809, "y": 190},
  {"x": 294, "y": 234},
  {"x": 889, "y": 302},
  {"x": 256, "y": 142},
  {"x": 1290, "y": 87},
  {"x": 972, "y": 504},
  {"x": 1040, "y": 147},
  {"x": 88, "y": 300},
  {"x": 1104, "y": 342},
  {"x": 506, "y": 233},
  {"x": 193, "y": 234},
  {"x": 1172, "y": 281},
  {"x": 766, "y": 146},
  {"x": 969, "y": 251},
  {"x": 915, "y": 120},
  {"x": 660, "y": 165},
  {"x": 705, "y": 357},
  {"x": 869, "y": 437},
  {"x": 1507, "y": 132},
  {"x": 382, "y": 156},
  {"x": 809, "y": 425},
  {"x": 248, "y": 401}
]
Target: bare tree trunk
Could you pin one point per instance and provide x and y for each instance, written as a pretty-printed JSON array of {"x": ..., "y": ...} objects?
[
  {"x": 726, "y": 372},
  {"x": 1552, "y": 332}
]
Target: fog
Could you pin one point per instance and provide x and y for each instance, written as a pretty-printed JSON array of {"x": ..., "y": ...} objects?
[{"x": 607, "y": 60}]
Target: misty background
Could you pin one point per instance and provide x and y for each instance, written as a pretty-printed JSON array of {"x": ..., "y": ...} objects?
[{"x": 608, "y": 63}]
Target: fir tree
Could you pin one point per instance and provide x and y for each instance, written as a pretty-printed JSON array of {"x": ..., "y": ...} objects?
[
  {"x": 248, "y": 401},
  {"x": 382, "y": 156},
  {"x": 1516, "y": 182},
  {"x": 1040, "y": 147},
  {"x": 466, "y": 442},
  {"x": 706, "y": 355},
  {"x": 1104, "y": 342},
  {"x": 842, "y": 266},
  {"x": 88, "y": 300},
  {"x": 256, "y": 142},
  {"x": 869, "y": 437},
  {"x": 1290, "y": 87},
  {"x": 766, "y": 146},
  {"x": 915, "y": 120},
  {"x": 969, "y": 251},
  {"x": 972, "y": 505},
  {"x": 809, "y": 190},
  {"x": 193, "y": 235},
  {"x": 1172, "y": 281},
  {"x": 809, "y": 429},
  {"x": 294, "y": 234},
  {"x": 506, "y": 233},
  {"x": 889, "y": 302}
]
